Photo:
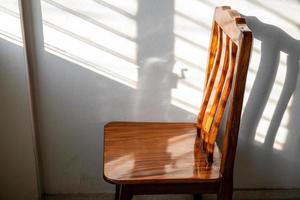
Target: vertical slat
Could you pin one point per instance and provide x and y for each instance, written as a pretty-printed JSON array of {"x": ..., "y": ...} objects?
[
  {"x": 212, "y": 49},
  {"x": 224, "y": 96},
  {"x": 211, "y": 80},
  {"x": 217, "y": 89}
]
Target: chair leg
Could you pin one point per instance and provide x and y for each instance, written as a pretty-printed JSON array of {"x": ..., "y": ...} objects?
[
  {"x": 117, "y": 193},
  {"x": 226, "y": 191},
  {"x": 125, "y": 193},
  {"x": 197, "y": 196}
]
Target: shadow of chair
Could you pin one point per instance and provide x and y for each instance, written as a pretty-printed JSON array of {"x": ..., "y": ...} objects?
[
  {"x": 273, "y": 41},
  {"x": 178, "y": 158}
]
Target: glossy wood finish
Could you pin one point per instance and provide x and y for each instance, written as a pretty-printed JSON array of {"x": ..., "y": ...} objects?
[
  {"x": 137, "y": 152},
  {"x": 228, "y": 33},
  {"x": 156, "y": 158}
]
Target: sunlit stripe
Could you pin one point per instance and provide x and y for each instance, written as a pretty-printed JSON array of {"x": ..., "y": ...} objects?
[
  {"x": 195, "y": 11},
  {"x": 11, "y": 5},
  {"x": 190, "y": 53},
  {"x": 186, "y": 97},
  {"x": 89, "y": 10},
  {"x": 91, "y": 66},
  {"x": 189, "y": 72},
  {"x": 190, "y": 64},
  {"x": 103, "y": 61},
  {"x": 261, "y": 130},
  {"x": 193, "y": 43},
  {"x": 129, "y": 6},
  {"x": 283, "y": 130},
  {"x": 117, "y": 8},
  {"x": 10, "y": 27},
  {"x": 186, "y": 29},
  {"x": 88, "y": 31},
  {"x": 280, "y": 138},
  {"x": 11, "y": 38},
  {"x": 184, "y": 106}
]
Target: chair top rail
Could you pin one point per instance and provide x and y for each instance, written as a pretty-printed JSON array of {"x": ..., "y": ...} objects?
[{"x": 231, "y": 22}]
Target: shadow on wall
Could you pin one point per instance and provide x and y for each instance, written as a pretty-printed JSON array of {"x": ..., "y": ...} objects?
[
  {"x": 273, "y": 41},
  {"x": 155, "y": 58},
  {"x": 75, "y": 103}
]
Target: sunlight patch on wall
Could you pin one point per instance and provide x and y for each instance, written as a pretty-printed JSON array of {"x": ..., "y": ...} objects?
[
  {"x": 252, "y": 70},
  {"x": 10, "y": 27},
  {"x": 282, "y": 132},
  {"x": 261, "y": 130},
  {"x": 280, "y": 138},
  {"x": 97, "y": 35}
]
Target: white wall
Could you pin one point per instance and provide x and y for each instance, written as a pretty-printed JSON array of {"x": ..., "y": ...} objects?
[
  {"x": 17, "y": 169},
  {"x": 145, "y": 60}
]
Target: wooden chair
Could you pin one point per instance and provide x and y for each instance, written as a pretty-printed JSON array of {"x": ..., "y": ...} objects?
[{"x": 179, "y": 158}]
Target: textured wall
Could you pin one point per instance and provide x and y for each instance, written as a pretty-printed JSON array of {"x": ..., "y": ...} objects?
[{"x": 144, "y": 60}]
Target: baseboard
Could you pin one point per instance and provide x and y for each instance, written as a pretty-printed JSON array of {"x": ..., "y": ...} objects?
[
  {"x": 239, "y": 194},
  {"x": 268, "y": 194}
]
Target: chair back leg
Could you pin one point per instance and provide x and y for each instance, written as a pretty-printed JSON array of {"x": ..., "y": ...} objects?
[{"x": 226, "y": 191}]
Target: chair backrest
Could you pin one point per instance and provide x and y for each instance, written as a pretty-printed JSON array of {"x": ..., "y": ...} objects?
[{"x": 229, "y": 55}]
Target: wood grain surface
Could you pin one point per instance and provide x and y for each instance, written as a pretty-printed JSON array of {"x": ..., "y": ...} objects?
[
  {"x": 138, "y": 152},
  {"x": 228, "y": 33}
]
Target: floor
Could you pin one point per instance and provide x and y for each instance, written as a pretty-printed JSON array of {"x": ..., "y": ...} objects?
[
  {"x": 111, "y": 197},
  {"x": 238, "y": 195}
]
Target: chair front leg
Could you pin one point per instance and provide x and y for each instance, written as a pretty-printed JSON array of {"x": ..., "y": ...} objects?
[
  {"x": 125, "y": 192},
  {"x": 197, "y": 197},
  {"x": 117, "y": 192}
]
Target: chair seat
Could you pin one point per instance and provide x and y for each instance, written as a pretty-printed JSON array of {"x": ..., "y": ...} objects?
[{"x": 144, "y": 152}]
